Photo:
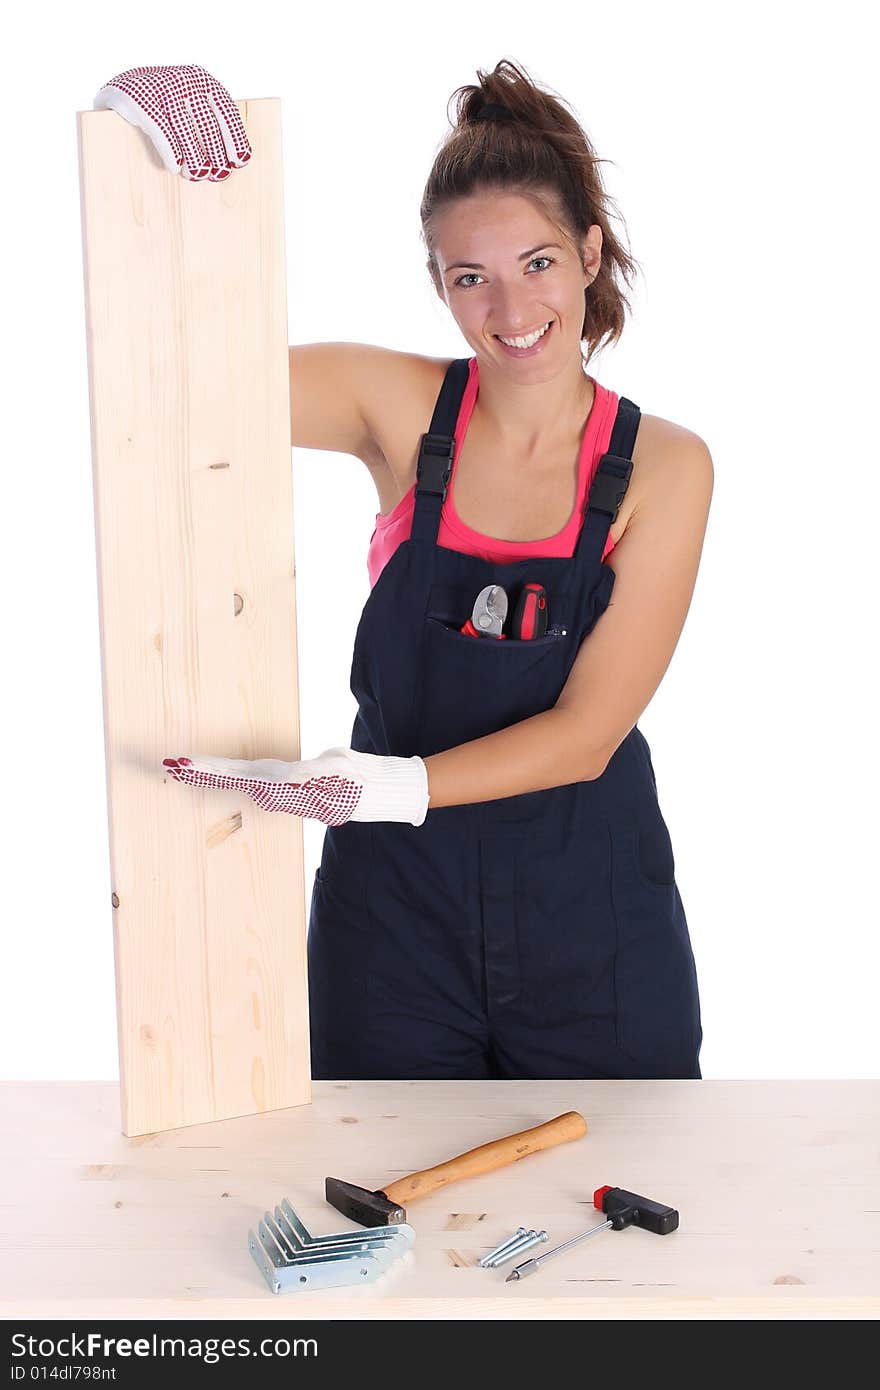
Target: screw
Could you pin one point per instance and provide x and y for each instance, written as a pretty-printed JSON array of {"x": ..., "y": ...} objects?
[
  {"x": 527, "y": 1238},
  {"x": 511, "y": 1240},
  {"x": 532, "y": 1238}
]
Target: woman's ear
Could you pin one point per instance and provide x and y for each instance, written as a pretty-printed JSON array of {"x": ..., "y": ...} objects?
[{"x": 592, "y": 256}]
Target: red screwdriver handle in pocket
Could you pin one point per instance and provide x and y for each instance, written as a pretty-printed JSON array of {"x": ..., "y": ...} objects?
[{"x": 530, "y": 617}]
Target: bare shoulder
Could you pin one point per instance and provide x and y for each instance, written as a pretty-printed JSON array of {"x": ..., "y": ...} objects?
[
  {"x": 402, "y": 389},
  {"x": 342, "y": 395},
  {"x": 401, "y": 385},
  {"x": 671, "y": 465}
]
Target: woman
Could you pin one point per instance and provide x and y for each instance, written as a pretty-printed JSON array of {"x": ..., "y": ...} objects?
[{"x": 496, "y": 894}]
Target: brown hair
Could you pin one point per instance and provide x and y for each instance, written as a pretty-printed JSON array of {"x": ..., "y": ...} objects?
[{"x": 543, "y": 147}]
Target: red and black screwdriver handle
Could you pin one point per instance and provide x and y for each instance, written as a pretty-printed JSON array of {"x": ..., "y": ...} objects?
[
  {"x": 629, "y": 1209},
  {"x": 530, "y": 615}
]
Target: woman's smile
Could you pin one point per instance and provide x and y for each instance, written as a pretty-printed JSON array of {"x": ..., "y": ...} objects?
[{"x": 532, "y": 348}]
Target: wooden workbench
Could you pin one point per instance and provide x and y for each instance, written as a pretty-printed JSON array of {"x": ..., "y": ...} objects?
[{"x": 776, "y": 1183}]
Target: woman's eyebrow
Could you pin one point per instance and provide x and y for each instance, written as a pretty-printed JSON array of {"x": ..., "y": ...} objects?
[{"x": 475, "y": 265}]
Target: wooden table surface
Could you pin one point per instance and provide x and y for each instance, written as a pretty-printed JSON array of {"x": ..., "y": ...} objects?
[{"x": 776, "y": 1183}]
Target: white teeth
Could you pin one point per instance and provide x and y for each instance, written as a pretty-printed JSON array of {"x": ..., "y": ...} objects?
[{"x": 524, "y": 342}]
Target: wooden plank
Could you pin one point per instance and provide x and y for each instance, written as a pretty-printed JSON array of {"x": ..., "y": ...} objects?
[
  {"x": 186, "y": 310},
  {"x": 775, "y": 1182}
]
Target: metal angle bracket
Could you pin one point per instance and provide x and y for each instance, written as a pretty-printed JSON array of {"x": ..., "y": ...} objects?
[{"x": 289, "y": 1258}]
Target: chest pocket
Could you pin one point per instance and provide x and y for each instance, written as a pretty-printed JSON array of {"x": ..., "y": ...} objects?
[
  {"x": 474, "y": 686},
  {"x": 452, "y": 605}
]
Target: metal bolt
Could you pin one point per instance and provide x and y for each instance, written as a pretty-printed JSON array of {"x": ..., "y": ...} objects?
[
  {"x": 527, "y": 1238},
  {"x": 512, "y": 1250},
  {"x": 511, "y": 1240},
  {"x": 532, "y": 1238}
]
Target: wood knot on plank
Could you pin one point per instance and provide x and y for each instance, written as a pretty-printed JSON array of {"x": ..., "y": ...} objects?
[
  {"x": 222, "y": 830},
  {"x": 100, "y": 1170},
  {"x": 460, "y": 1261},
  {"x": 463, "y": 1220}
]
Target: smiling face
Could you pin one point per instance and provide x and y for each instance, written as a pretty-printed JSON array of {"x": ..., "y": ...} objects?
[{"x": 506, "y": 270}]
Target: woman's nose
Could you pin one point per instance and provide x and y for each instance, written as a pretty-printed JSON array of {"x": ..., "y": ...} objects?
[{"x": 513, "y": 315}]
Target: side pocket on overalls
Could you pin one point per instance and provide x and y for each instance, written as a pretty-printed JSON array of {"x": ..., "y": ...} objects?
[
  {"x": 655, "y": 975},
  {"x": 338, "y": 955}
]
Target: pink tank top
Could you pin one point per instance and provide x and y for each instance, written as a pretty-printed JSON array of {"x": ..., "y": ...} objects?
[{"x": 454, "y": 534}]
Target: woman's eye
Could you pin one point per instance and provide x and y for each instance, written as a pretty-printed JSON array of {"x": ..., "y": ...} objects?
[{"x": 472, "y": 275}]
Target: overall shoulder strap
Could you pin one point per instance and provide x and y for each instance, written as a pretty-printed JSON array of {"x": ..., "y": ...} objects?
[
  {"x": 610, "y": 483},
  {"x": 615, "y": 468},
  {"x": 437, "y": 451}
]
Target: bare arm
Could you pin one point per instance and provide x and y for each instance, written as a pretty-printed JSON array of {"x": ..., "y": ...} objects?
[{"x": 329, "y": 384}]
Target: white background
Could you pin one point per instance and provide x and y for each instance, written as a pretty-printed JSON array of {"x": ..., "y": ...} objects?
[{"x": 743, "y": 159}]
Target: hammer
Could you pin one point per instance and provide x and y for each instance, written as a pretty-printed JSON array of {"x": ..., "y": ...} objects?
[{"x": 385, "y": 1207}]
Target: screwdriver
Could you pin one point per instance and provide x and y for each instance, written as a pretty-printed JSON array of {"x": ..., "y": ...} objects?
[
  {"x": 623, "y": 1209},
  {"x": 530, "y": 615}
]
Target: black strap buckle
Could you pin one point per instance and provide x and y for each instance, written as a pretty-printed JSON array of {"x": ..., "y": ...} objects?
[
  {"x": 610, "y": 485},
  {"x": 434, "y": 469}
]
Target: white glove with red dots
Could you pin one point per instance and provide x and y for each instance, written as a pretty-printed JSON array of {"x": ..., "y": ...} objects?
[
  {"x": 187, "y": 114},
  {"x": 339, "y": 786}
]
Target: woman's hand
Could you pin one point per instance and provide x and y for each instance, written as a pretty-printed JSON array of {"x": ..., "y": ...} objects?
[
  {"x": 189, "y": 116},
  {"x": 339, "y": 786}
]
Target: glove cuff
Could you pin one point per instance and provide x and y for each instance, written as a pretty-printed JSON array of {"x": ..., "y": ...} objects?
[{"x": 395, "y": 789}]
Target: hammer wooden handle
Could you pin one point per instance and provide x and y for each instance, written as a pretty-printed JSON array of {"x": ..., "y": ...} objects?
[{"x": 497, "y": 1154}]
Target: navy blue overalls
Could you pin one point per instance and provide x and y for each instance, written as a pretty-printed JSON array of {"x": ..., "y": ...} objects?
[{"x": 538, "y": 935}]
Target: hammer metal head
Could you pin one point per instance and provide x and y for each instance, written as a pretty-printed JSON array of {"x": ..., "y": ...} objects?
[{"x": 361, "y": 1205}]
